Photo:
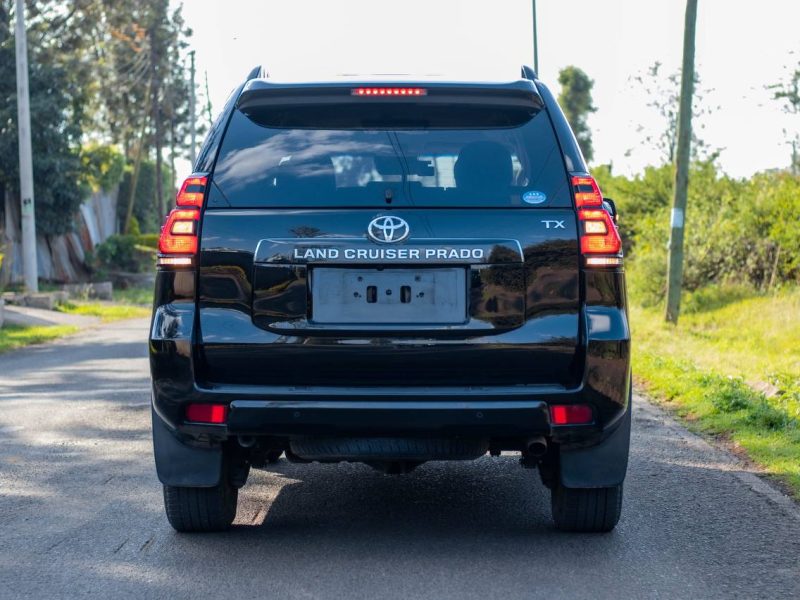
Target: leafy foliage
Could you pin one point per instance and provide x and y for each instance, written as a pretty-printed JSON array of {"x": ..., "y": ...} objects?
[
  {"x": 111, "y": 71},
  {"x": 663, "y": 94},
  {"x": 738, "y": 231},
  {"x": 145, "y": 210},
  {"x": 57, "y": 97},
  {"x": 102, "y": 166},
  {"x": 130, "y": 253},
  {"x": 787, "y": 92},
  {"x": 576, "y": 102}
]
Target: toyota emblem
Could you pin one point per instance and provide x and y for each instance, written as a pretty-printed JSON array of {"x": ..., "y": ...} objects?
[{"x": 386, "y": 230}]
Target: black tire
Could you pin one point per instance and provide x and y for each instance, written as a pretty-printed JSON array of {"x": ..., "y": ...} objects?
[
  {"x": 194, "y": 509},
  {"x": 586, "y": 510}
]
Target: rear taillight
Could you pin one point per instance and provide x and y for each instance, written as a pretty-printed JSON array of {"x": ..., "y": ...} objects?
[
  {"x": 192, "y": 191},
  {"x": 599, "y": 235},
  {"x": 179, "y": 235},
  {"x": 587, "y": 192}
]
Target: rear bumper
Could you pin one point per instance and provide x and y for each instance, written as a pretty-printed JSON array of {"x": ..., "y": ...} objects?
[
  {"x": 507, "y": 412},
  {"x": 440, "y": 418}
]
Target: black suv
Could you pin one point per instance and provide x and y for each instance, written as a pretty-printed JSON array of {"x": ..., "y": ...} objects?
[{"x": 390, "y": 273}]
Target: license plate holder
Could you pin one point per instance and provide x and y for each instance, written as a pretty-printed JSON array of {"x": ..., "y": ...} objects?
[{"x": 388, "y": 296}]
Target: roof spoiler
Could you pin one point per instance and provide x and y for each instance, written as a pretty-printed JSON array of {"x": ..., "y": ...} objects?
[{"x": 259, "y": 93}]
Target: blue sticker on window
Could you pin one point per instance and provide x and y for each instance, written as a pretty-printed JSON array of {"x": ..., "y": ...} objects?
[{"x": 534, "y": 197}]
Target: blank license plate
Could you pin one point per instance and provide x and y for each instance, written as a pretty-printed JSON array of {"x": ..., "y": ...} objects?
[{"x": 389, "y": 296}]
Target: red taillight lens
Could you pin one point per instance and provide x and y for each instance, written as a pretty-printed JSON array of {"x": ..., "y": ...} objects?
[
  {"x": 587, "y": 192},
  {"x": 179, "y": 234},
  {"x": 389, "y": 91},
  {"x": 599, "y": 234},
  {"x": 192, "y": 191},
  {"x": 207, "y": 413},
  {"x": 571, "y": 414}
]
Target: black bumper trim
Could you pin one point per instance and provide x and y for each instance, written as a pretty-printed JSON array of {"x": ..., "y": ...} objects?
[{"x": 475, "y": 418}]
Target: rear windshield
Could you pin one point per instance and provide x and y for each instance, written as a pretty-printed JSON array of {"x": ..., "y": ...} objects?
[{"x": 263, "y": 166}]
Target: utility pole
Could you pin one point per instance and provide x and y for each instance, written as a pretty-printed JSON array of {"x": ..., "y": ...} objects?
[
  {"x": 209, "y": 112},
  {"x": 675, "y": 266},
  {"x": 192, "y": 116},
  {"x": 535, "y": 41},
  {"x": 29, "y": 261}
]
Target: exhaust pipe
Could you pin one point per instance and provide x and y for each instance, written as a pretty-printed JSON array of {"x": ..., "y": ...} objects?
[
  {"x": 246, "y": 441},
  {"x": 537, "y": 447}
]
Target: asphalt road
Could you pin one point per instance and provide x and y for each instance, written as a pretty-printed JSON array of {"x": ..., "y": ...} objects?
[{"x": 81, "y": 512}]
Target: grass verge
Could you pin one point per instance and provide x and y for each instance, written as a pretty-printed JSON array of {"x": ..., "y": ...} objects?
[
  {"x": 16, "y": 336},
  {"x": 106, "y": 311},
  {"x": 137, "y": 296},
  {"x": 731, "y": 369}
]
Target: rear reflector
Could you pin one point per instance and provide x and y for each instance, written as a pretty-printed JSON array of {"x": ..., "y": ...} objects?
[
  {"x": 179, "y": 234},
  {"x": 571, "y": 414},
  {"x": 389, "y": 91},
  {"x": 207, "y": 413},
  {"x": 192, "y": 191}
]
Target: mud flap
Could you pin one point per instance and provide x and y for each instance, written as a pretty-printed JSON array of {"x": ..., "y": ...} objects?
[
  {"x": 603, "y": 465},
  {"x": 181, "y": 465}
]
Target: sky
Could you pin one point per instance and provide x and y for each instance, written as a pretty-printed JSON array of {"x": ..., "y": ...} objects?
[{"x": 742, "y": 47}]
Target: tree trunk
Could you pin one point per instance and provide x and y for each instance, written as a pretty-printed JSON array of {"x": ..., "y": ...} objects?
[
  {"x": 155, "y": 90},
  {"x": 9, "y": 272},
  {"x": 675, "y": 267},
  {"x": 134, "y": 178}
]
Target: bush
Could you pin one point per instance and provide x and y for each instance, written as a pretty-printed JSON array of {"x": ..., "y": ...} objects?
[
  {"x": 129, "y": 253},
  {"x": 738, "y": 232}
]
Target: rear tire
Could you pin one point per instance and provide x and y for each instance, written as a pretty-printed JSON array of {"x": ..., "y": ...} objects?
[
  {"x": 586, "y": 510},
  {"x": 195, "y": 509}
]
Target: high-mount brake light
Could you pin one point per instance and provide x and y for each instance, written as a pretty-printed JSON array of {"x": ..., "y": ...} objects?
[
  {"x": 599, "y": 234},
  {"x": 389, "y": 91},
  {"x": 192, "y": 191}
]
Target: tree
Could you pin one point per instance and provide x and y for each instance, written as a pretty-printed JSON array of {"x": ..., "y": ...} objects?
[
  {"x": 663, "y": 93},
  {"x": 683, "y": 153},
  {"x": 58, "y": 95},
  {"x": 576, "y": 101},
  {"x": 787, "y": 93},
  {"x": 147, "y": 101}
]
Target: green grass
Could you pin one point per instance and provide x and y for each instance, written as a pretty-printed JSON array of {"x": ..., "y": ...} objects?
[
  {"x": 727, "y": 346},
  {"x": 137, "y": 296},
  {"x": 16, "y": 336},
  {"x": 105, "y": 310},
  {"x": 128, "y": 304}
]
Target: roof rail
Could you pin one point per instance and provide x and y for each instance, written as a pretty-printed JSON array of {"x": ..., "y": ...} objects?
[
  {"x": 258, "y": 72},
  {"x": 528, "y": 73}
]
